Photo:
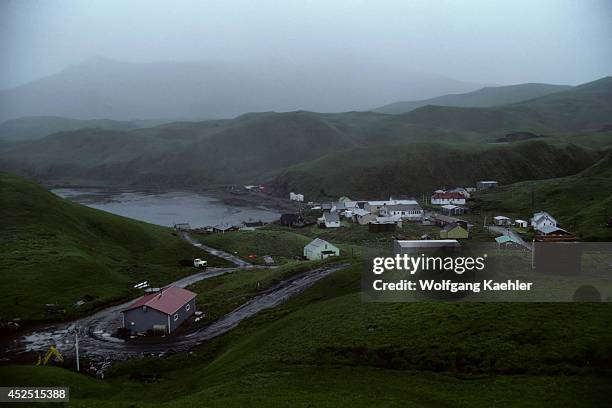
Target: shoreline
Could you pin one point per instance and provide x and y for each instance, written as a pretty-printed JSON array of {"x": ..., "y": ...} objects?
[{"x": 235, "y": 198}]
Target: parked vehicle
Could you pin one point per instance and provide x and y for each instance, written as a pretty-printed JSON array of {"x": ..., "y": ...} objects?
[{"x": 198, "y": 263}]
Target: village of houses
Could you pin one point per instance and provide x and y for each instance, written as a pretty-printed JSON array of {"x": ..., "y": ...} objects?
[{"x": 446, "y": 212}]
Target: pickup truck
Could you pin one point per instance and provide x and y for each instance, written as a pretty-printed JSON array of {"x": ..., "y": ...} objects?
[{"x": 198, "y": 263}]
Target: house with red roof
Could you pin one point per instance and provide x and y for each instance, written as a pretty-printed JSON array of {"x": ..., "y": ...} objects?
[
  {"x": 161, "y": 310},
  {"x": 447, "y": 197}
]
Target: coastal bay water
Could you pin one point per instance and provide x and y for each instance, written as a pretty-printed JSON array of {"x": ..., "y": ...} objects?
[{"x": 167, "y": 209}]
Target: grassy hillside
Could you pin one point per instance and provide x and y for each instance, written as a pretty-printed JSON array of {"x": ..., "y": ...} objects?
[
  {"x": 420, "y": 168},
  {"x": 327, "y": 348},
  {"x": 587, "y": 106},
  {"x": 488, "y": 96},
  {"x": 56, "y": 251},
  {"x": 582, "y": 203},
  {"x": 256, "y": 147},
  {"x": 282, "y": 246},
  {"x": 37, "y": 127}
]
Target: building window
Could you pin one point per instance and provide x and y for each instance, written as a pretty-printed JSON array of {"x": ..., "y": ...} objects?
[
  {"x": 144, "y": 308},
  {"x": 176, "y": 317},
  {"x": 187, "y": 307}
]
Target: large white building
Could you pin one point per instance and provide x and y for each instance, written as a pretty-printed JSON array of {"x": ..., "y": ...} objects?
[{"x": 412, "y": 212}]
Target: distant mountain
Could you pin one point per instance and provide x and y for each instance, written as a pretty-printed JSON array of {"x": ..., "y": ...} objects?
[
  {"x": 485, "y": 97},
  {"x": 37, "y": 127},
  {"x": 103, "y": 88}
]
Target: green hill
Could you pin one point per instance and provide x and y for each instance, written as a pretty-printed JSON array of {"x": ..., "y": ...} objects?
[
  {"x": 488, "y": 96},
  {"x": 327, "y": 348},
  {"x": 587, "y": 106},
  {"x": 582, "y": 203},
  {"x": 37, "y": 127},
  {"x": 53, "y": 251},
  {"x": 256, "y": 147},
  {"x": 420, "y": 168}
]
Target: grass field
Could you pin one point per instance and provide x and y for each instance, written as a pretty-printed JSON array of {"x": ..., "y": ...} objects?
[
  {"x": 53, "y": 251},
  {"x": 327, "y": 348}
]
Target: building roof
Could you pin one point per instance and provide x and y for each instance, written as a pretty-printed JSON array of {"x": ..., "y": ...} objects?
[
  {"x": 317, "y": 243},
  {"x": 451, "y": 226},
  {"x": 488, "y": 182},
  {"x": 520, "y": 221},
  {"x": 448, "y": 195},
  {"x": 392, "y": 202},
  {"x": 394, "y": 219},
  {"x": 502, "y": 239},
  {"x": 428, "y": 243},
  {"x": 331, "y": 217},
  {"x": 539, "y": 216},
  {"x": 402, "y": 207},
  {"x": 360, "y": 212},
  {"x": 549, "y": 229},
  {"x": 452, "y": 207},
  {"x": 500, "y": 217},
  {"x": 168, "y": 300}
]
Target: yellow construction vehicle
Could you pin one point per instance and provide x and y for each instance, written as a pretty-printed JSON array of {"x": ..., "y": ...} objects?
[{"x": 52, "y": 352}]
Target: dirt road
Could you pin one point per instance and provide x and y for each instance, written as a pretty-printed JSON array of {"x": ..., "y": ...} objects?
[{"x": 96, "y": 333}]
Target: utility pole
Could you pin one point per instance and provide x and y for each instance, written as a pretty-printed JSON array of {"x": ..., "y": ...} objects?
[
  {"x": 76, "y": 346},
  {"x": 533, "y": 254}
]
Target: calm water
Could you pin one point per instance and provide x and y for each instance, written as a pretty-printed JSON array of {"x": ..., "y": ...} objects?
[{"x": 167, "y": 209}]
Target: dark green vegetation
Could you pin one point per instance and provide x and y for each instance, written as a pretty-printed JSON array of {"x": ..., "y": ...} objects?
[
  {"x": 488, "y": 96},
  {"x": 53, "y": 251},
  {"x": 383, "y": 171},
  {"x": 582, "y": 202},
  {"x": 37, "y": 127},
  {"x": 283, "y": 245},
  {"x": 327, "y": 348},
  {"x": 309, "y": 152}
]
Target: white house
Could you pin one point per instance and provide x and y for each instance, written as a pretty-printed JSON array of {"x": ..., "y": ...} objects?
[
  {"x": 448, "y": 197},
  {"x": 330, "y": 219},
  {"x": 412, "y": 212},
  {"x": 296, "y": 197},
  {"x": 375, "y": 206},
  {"x": 542, "y": 219},
  {"x": 319, "y": 249}
]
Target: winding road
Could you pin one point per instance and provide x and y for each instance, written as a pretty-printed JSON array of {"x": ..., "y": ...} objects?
[{"x": 97, "y": 341}]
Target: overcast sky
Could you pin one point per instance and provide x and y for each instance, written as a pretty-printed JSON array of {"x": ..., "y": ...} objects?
[{"x": 490, "y": 42}]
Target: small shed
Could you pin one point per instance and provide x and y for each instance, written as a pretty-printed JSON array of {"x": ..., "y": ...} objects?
[
  {"x": 454, "y": 231},
  {"x": 521, "y": 223},
  {"x": 486, "y": 185},
  {"x": 502, "y": 221}
]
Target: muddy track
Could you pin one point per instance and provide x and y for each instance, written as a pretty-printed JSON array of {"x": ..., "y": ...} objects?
[{"x": 97, "y": 342}]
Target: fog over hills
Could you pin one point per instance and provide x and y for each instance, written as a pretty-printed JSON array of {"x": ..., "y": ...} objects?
[
  {"x": 302, "y": 150},
  {"x": 105, "y": 88},
  {"x": 488, "y": 96}
]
